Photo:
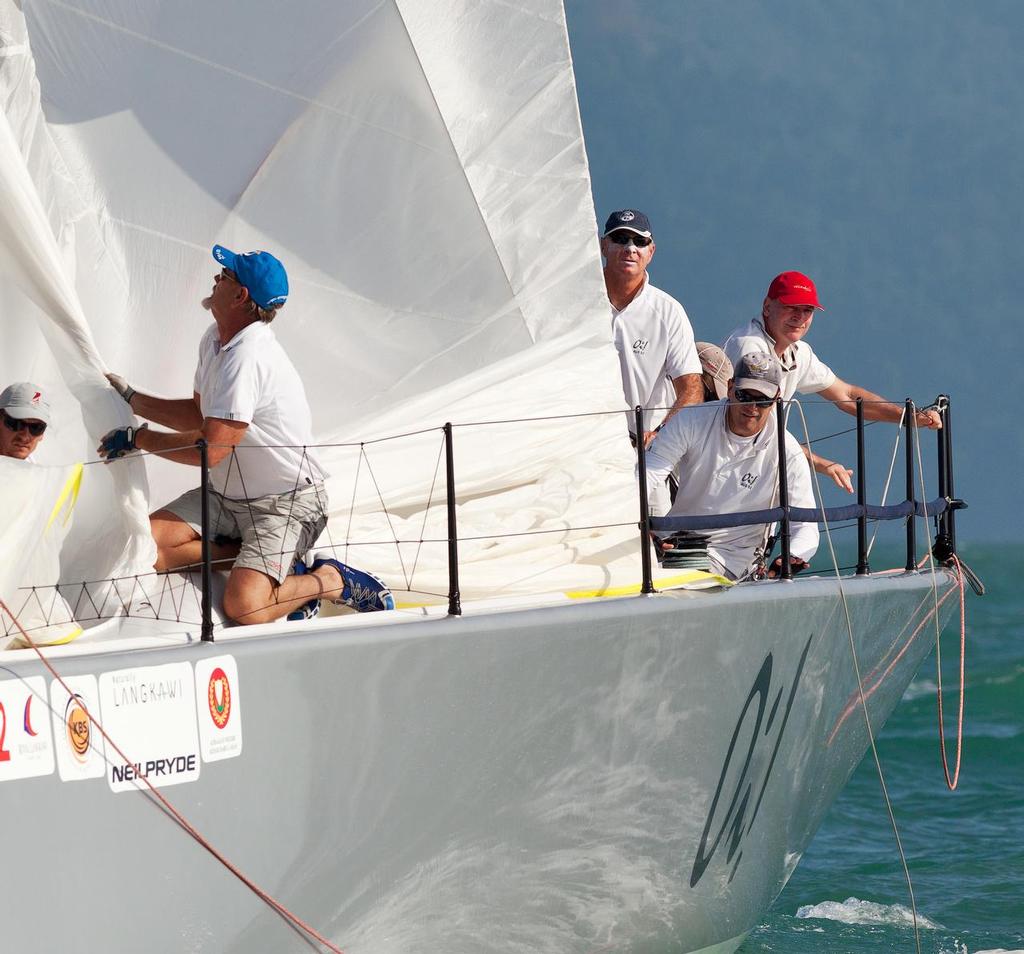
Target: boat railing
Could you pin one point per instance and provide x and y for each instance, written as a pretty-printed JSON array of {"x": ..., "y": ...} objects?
[{"x": 942, "y": 508}]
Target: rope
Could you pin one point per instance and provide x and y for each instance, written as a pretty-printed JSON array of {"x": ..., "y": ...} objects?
[
  {"x": 951, "y": 781},
  {"x": 288, "y": 916},
  {"x": 863, "y": 699}
]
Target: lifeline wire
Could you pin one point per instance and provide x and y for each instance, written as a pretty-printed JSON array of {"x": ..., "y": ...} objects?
[
  {"x": 293, "y": 920},
  {"x": 860, "y": 691}
]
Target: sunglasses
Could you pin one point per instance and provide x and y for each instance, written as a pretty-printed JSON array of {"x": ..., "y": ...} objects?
[
  {"x": 624, "y": 238},
  {"x": 753, "y": 397},
  {"x": 35, "y": 429}
]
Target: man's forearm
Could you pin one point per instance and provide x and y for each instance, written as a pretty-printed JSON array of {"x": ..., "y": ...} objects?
[
  {"x": 179, "y": 446},
  {"x": 178, "y": 414},
  {"x": 689, "y": 390}
]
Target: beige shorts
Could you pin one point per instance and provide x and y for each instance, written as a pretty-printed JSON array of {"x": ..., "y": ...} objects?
[{"x": 273, "y": 530}]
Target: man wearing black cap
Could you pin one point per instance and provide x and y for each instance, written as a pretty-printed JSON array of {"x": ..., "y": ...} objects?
[
  {"x": 727, "y": 456},
  {"x": 25, "y": 413},
  {"x": 657, "y": 356},
  {"x": 786, "y": 315},
  {"x": 268, "y": 503}
]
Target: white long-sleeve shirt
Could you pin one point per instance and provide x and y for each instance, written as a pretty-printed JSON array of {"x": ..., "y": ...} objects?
[{"x": 721, "y": 472}]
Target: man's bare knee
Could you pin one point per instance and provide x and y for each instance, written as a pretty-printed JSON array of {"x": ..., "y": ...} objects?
[{"x": 249, "y": 597}]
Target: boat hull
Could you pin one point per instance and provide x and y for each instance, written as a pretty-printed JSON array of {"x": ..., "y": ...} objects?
[{"x": 635, "y": 774}]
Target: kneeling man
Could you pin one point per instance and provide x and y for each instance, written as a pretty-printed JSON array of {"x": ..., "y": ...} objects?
[{"x": 727, "y": 457}]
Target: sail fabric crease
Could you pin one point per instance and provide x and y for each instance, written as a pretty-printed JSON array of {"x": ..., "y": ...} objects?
[{"x": 421, "y": 171}]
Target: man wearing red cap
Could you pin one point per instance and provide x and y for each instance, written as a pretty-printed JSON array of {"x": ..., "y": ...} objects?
[{"x": 786, "y": 316}]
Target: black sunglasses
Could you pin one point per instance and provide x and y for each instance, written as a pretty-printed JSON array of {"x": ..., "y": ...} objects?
[
  {"x": 624, "y": 238},
  {"x": 16, "y": 425},
  {"x": 753, "y": 397}
]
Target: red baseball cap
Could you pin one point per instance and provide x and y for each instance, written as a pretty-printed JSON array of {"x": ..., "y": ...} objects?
[{"x": 794, "y": 288}]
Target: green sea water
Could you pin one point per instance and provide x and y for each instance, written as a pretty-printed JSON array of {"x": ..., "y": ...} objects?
[{"x": 965, "y": 848}]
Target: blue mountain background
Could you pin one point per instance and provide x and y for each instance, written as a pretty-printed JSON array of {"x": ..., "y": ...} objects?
[{"x": 876, "y": 146}]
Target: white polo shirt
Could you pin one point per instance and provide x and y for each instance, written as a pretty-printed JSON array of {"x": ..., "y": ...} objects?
[
  {"x": 251, "y": 379},
  {"x": 721, "y": 472},
  {"x": 801, "y": 369},
  {"x": 655, "y": 344}
]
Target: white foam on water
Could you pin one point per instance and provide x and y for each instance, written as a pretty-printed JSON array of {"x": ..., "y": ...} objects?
[{"x": 855, "y": 911}]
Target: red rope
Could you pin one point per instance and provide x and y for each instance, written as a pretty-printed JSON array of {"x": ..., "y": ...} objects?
[
  {"x": 273, "y": 903},
  {"x": 951, "y": 783}
]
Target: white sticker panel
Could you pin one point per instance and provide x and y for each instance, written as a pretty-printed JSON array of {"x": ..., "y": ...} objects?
[
  {"x": 151, "y": 714},
  {"x": 26, "y": 739},
  {"x": 78, "y": 742},
  {"x": 219, "y": 708}
]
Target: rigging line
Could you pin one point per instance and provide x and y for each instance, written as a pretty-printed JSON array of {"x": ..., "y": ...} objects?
[
  {"x": 951, "y": 782},
  {"x": 849, "y": 430},
  {"x": 292, "y": 919},
  {"x": 888, "y": 479},
  {"x": 387, "y": 516},
  {"x": 864, "y": 703},
  {"x": 426, "y": 511}
]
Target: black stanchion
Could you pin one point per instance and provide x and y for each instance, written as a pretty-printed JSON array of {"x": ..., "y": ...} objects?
[
  {"x": 947, "y": 430},
  {"x": 862, "y": 496},
  {"x": 786, "y": 570},
  {"x": 942, "y": 550},
  {"x": 911, "y": 427},
  {"x": 454, "y": 597},
  {"x": 207, "y": 572},
  {"x": 647, "y": 586}
]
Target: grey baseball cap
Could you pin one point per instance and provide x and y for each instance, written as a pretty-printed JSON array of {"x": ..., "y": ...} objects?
[
  {"x": 25, "y": 401},
  {"x": 758, "y": 371}
]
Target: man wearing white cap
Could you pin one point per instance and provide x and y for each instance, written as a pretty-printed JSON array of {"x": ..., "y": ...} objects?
[
  {"x": 25, "y": 413},
  {"x": 653, "y": 337},
  {"x": 786, "y": 315},
  {"x": 267, "y": 500},
  {"x": 727, "y": 456}
]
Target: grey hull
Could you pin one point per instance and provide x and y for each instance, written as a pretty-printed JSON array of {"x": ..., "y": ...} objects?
[{"x": 635, "y": 774}]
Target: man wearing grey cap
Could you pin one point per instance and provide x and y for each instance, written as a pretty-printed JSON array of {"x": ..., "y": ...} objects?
[
  {"x": 653, "y": 337},
  {"x": 726, "y": 454},
  {"x": 25, "y": 413}
]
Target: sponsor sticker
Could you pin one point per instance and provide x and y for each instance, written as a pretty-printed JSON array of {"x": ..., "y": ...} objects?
[
  {"x": 151, "y": 713},
  {"x": 218, "y": 708},
  {"x": 26, "y": 741},
  {"x": 78, "y": 742}
]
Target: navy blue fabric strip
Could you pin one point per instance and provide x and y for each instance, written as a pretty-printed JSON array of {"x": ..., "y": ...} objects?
[{"x": 799, "y": 514}]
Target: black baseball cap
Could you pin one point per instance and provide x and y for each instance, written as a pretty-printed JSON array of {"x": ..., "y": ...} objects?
[{"x": 629, "y": 220}]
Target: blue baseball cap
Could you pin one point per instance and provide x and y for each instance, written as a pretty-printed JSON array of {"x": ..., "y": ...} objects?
[
  {"x": 629, "y": 220},
  {"x": 260, "y": 272}
]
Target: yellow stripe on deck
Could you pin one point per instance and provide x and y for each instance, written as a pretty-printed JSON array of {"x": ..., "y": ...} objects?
[{"x": 663, "y": 583}]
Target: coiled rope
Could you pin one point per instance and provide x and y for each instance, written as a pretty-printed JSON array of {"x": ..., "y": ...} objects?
[{"x": 288, "y": 916}]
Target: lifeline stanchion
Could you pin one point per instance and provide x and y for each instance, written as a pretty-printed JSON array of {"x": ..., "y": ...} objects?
[
  {"x": 454, "y": 597},
  {"x": 862, "y": 496},
  {"x": 785, "y": 570},
  {"x": 942, "y": 550},
  {"x": 204, "y": 496},
  {"x": 947, "y": 430},
  {"x": 647, "y": 586},
  {"x": 911, "y": 424}
]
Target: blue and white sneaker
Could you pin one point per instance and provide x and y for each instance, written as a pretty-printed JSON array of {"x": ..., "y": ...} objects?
[
  {"x": 364, "y": 592},
  {"x": 307, "y": 610}
]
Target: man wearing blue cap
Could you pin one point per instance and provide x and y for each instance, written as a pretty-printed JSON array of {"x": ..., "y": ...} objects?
[
  {"x": 267, "y": 500},
  {"x": 657, "y": 353}
]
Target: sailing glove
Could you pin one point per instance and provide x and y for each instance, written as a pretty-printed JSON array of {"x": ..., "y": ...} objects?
[
  {"x": 121, "y": 386},
  {"x": 119, "y": 442}
]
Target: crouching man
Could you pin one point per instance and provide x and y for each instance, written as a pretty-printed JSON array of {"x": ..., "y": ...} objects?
[
  {"x": 727, "y": 458},
  {"x": 267, "y": 500}
]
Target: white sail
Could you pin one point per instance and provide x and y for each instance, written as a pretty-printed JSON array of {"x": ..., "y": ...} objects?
[{"x": 420, "y": 169}]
